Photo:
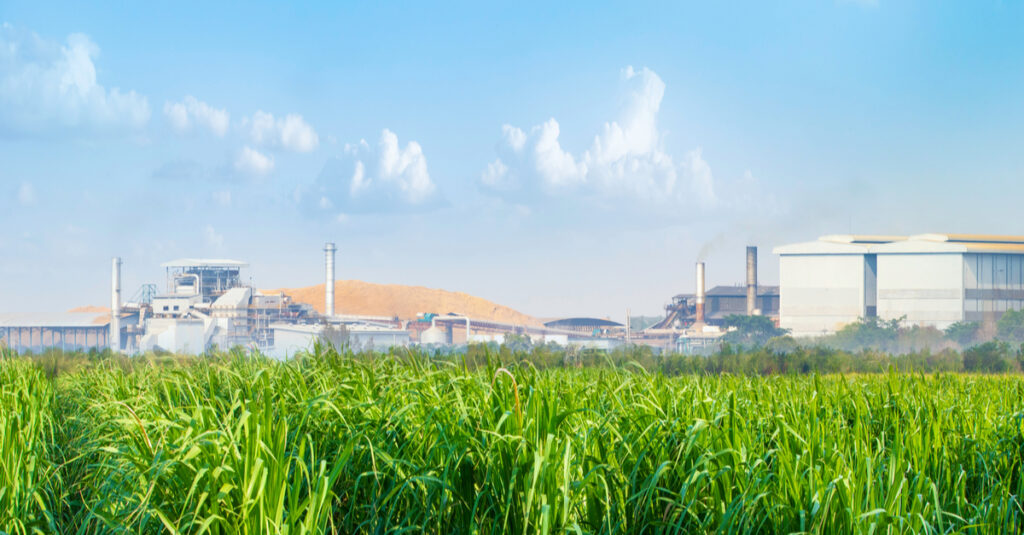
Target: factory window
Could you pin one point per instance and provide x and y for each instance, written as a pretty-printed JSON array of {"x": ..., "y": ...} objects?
[
  {"x": 165, "y": 308},
  {"x": 175, "y": 308}
]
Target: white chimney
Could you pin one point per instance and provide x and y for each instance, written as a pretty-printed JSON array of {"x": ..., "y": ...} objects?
[
  {"x": 629, "y": 322},
  {"x": 329, "y": 250},
  {"x": 700, "y": 294},
  {"x": 115, "y": 305}
]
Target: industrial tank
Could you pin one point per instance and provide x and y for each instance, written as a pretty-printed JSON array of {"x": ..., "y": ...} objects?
[{"x": 433, "y": 335}]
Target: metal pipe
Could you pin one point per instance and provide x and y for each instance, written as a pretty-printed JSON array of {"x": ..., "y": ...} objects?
[
  {"x": 751, "y": 280},
  {"x": 115, "y": 305},
  {"x": 700, "y": 293},
  {"x": 197, "y": 289},
  {"x": 329, "y": 250}
]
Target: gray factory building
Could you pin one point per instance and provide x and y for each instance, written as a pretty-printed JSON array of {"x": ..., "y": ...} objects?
[{"x": 929, "y": 279}]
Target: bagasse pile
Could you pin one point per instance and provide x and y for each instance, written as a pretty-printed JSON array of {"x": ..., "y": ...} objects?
[
  {"x": 358, "y": 297},
  {"x": 341, "y": 445}
]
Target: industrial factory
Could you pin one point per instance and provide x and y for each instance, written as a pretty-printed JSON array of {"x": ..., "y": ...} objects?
[
  {"x": 931, "y": 280},
  {"x": 206, "y": 304},
  {"x": 928, "y": 279}
]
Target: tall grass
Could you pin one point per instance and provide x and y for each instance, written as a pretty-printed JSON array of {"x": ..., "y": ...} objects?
[
  {"x": 26, "y": 444},
  {"x": 335, "y": 444}
]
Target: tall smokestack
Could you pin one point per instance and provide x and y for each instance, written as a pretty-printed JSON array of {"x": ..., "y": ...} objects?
[
  {"x": 115, "y": 305},
  {"x": 329, "y": 250},
  {"x": 700, "y": 293},
  {"x": 629, "y": 325},
  {"x": 751, "y": 280}
]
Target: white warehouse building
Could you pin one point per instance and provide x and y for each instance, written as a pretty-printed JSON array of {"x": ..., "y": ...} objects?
[{"x": 930, "y": 279}]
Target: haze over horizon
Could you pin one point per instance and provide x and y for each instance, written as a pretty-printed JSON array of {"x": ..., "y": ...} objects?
[{"x": 557, "y": 159}]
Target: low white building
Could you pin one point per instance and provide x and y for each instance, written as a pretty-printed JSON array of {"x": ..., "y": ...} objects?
[
  {"x": 177, "y": 335},
  {"x": 930, "y": 279},
  {"x": 290, "y": 339}
]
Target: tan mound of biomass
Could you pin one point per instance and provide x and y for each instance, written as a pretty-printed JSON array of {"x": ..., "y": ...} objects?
[
  {"x": 90, "y": 309},
  {"x": 365, "y": 298},
  {"x": 103, "y": 317}
]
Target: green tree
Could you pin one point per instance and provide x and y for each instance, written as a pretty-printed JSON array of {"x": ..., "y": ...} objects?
[
  {"x": 992, "y": 357},
  {"x": 750, "y": 330},
  {"x": 964, "y": 333},
  {"x": 1011, "y": 326},
  {"x": 868, "y": 333},
  {"x": 782, "y": 345},
  {"x": 517, "y": 342}
]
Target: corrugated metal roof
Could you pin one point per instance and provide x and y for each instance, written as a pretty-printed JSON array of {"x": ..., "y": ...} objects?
[
  {"x": 582, "y": 322},
  {"x": 741, "y": 291},
  {"x": 352, "y": 328},
  {"x": 204, "y": 262},
  {"x": 970, "y": 238},
  {"x": 54, "y": 319},
  {"x": 919, "y": 243},
  {"x": 860, "y": 238},
  {"x": 995, "y": 247},
  {"x": 822, "y": 247}
]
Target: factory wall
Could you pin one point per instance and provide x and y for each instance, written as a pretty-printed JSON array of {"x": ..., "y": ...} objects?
[
  {"x": 927, "y": 289},
  {"x": 379, "y": 341},
  {"x": 288, "y": 342},
  {"x": 560, "y": 339},
  {"x": 821, "y": 293},
  {"x": 993, "y": 284},
  {"x": 291, "y": 339},
  {"x": 174, "y": 304},
  {"x": 177, "y": 335}
]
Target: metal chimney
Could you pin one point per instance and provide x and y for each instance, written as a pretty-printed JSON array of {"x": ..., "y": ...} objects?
[
  {"x": 629, "y": 325},
  {"x": 751, "y": 280},
  {"x": 115, "y": 305},
  {"x": 700, "y": 293},
  {"x": 329, "y": 250}
]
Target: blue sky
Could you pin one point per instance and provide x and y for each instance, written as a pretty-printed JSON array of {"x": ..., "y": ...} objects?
[{"x": 557, "y": 158}]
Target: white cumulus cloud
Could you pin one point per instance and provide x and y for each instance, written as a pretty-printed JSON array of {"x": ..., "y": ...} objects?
[
  {"x": 375, "y": 178},
  {"x": 625, "y": 159},
  {"x": 182, "y": 115},
  {"x": 253, "y": 162},
  {"x": 290, "y": 132},
  {"x": 47, "y": 85}
]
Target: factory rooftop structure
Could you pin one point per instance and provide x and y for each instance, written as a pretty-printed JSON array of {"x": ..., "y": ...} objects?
[
  {"x": 208, "y": 279},
  {"x": 929, "y": 279},
  {"x": 204, "y": 263},
  {"x": 726, "y": 300},
  {"x": 919, "y": 243},
  {"x": 583, "y": 325}
]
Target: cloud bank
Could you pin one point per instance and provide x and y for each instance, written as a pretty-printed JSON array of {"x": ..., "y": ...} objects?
[
  {"x": 191, "y": 111},
  {"x": 51, "y": 86},
  {"x": 385, "y": 177},
  {"x": 291, "y": 132},
  {"x": 626, "y": 159},
  {"x": 253, "y": 162}
]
